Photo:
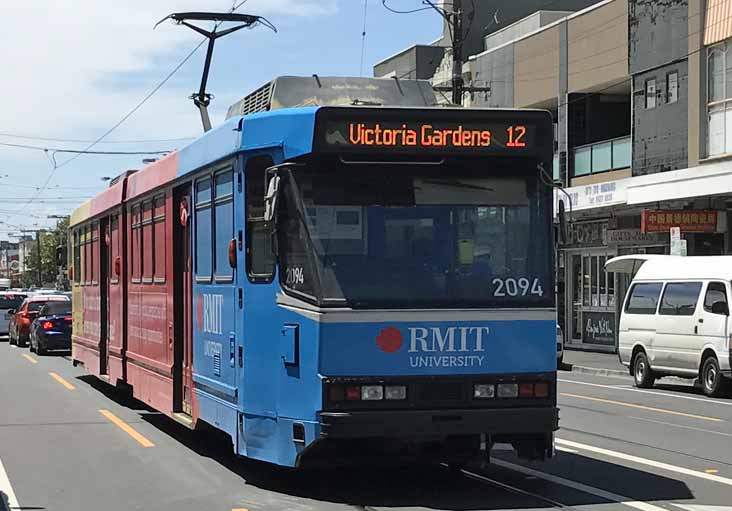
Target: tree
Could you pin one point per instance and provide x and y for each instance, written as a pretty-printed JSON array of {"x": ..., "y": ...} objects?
[{"x": 50, "y": 270}]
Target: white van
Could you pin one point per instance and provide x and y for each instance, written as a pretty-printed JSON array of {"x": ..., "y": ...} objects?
[{"x": 676, "y": 319}]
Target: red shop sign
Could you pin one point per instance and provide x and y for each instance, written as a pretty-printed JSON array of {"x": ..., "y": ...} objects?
[{"x": 688, "y": 221}]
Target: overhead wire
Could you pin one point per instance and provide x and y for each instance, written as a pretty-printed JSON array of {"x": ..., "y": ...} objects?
[{"x": 363, "y": 35}]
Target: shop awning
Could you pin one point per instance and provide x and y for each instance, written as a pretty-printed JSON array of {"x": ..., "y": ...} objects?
[{"x": 702, "y": 181}]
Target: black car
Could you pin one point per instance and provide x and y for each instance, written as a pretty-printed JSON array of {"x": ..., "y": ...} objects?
[{"x": 51, "y": 330}]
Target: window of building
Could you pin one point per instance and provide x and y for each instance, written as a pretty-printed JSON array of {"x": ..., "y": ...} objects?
[
  {"x": 679, "y": 299},
  {"x": 650, "y": 93},
  {"x": 159, "y": 238},
  {"x": 719, "y": 99},
  {"x": 672, "y": 87},
  {"x": 136, "y": 244},
  {"x": 643, "y": 299},
  {"x": 716, "y": 292},
  {"x": 260, "y": 258},
  {"x": 204, "y": 239},
  {"x": 224, "y": 223}
]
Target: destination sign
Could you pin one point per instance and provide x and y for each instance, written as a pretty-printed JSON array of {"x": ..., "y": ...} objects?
[{"x": 429, "y": 135}]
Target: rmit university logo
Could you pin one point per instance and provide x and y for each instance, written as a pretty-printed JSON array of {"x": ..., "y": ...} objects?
[{"x": 455, "y": 346}]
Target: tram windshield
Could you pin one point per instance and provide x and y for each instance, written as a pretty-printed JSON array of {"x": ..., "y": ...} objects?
[{"x": 406, "y": 236}]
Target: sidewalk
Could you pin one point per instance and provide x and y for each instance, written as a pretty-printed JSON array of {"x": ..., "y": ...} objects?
[{"x": 600, "y": 364}]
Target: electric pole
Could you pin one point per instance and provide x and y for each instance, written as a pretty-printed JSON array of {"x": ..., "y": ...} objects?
[
  {"x": 454, "y": 20},
  {"x": 38, "y": 248}
]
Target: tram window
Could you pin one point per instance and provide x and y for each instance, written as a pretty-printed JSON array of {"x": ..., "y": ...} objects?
[
  {"x": 113, "y": 247},
  {"x": 224, "y": 223},
  {"x": 95, "y": 254},
  {"x": 77, "y": 257},
  {"x": 88, "y": 256},
  {"x": 159, "y": 237},
  {"x": 203, "y": 229},
  {"x": 148, "y": 248},
  {"x": 136, "y": 245},
  {"x": 260, "y": 258}
]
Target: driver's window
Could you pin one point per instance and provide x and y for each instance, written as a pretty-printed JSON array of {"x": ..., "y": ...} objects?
[
  {"x": 260, "y": 258},
  {"x": 716, "y": 292}
]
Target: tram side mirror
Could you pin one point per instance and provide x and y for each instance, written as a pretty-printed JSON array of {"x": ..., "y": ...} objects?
[
  {"x": 720, "y": 308},
  {"x": 270, "y": 199},
  {"x": 10, "y": 313},
  {"x": 562, "y": 214}
]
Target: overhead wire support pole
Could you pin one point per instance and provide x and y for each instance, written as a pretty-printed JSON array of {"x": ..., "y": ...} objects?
[{"x": 202, "y": 99}]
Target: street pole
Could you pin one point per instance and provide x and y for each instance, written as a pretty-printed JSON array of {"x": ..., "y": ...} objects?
[
  {"x": 457, "y": 52},
  {"x": 38, "y": 248}
]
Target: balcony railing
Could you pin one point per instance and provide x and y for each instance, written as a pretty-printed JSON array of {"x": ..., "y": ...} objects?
[{"x": 602, "y": 156}]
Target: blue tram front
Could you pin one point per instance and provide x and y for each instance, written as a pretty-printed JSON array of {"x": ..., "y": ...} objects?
[{"x": 393, "y": 294}]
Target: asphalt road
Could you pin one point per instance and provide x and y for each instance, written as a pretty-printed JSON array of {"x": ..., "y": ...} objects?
[{"x": 69, "y": 442}]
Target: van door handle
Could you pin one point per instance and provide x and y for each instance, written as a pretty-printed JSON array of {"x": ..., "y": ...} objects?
[
  {"x": 696, "y": 329},
  {"x": 701, "y": 320}
]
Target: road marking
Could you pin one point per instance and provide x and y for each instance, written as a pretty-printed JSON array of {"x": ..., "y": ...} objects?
[
  {"x": 701, "y": 430},
  {"x": 240, "y": 509},
  {"x": 61, "y": 381},
  {"x": 697, "y": 507},
  {"x": 30, "y": 359},
  {"x": 127, "y": 428},
  {"x": 654, "y": 392},
  {"x": 645, "y": 461},
  {"x": 711, "y": 471},
  {"x": 10, "y": 501},
  {"x": 564, "y": 449},
  {"x": 591, "y": 490},
  {"x": 641, "y": 407}
]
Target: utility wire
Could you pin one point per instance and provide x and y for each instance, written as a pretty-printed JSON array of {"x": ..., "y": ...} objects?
[
  {"x": 83, "y": 141},
  {"x": 74, "y": 151}
]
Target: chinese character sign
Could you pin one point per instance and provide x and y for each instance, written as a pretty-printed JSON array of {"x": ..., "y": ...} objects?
[{"x": 686, "y": 221}]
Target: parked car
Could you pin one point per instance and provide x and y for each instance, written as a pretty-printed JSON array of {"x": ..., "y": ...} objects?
[
  {"x": 8, "y": 301},
  {"x": 560, "y": 346},
  {"x": 51, "y": 330},
  {"x": 675, "y": 319},
  {"x": 21, "y": 318}
]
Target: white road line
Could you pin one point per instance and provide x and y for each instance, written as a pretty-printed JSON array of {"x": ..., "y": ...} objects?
[
  {"x": 645, "y": 461},
  {"x": 564, "y": 449},
  {"x": 9, "y": 500},
  {"x": 683, "y": 427},
  {"x": 655, "y": 393},
  {"x": 591, "y": 490}
]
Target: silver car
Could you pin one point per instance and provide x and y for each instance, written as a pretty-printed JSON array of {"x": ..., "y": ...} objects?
[{"x": 8, "y": 300}]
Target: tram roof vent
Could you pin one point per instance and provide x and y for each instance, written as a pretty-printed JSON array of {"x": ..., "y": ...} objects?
[
  {"x": 123, "y": 175},
  {"x": 295, "y": 91}
]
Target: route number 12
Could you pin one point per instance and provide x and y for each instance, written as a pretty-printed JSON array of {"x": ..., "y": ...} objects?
[{"x": 515, "y": 134}]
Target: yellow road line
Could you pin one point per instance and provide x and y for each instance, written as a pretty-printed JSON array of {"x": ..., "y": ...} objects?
[
  {"x": 30, "y": 359},
  {"x": 711, "y": 471},
  {"x": 61, "y": 381},
  {"x": 127, "y": 428},
  {"x": 641, "y": 407}
]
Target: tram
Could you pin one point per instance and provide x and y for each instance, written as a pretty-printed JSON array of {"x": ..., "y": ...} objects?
[{"x": 333, "y": 282}]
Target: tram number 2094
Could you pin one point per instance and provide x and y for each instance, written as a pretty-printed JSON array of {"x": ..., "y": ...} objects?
[
  {"x": 295, "y": 275},
  {"x": 517, "y": 287}
]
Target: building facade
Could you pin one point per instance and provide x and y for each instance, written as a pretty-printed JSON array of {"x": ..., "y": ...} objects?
[{"x": 641, "y": 94}]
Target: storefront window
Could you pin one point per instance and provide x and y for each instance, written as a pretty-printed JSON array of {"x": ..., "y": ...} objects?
[
  {"x": 595, "y": 300},
  {"x": 587, "y": 275},
  {"x": 719, "y": 99}
]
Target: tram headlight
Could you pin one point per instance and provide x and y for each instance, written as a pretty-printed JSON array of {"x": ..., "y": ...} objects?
[
  {"x": 372, "y": 393},
  {"x": 395, "y": 392},
  {"x": 484, "y": 391},
  {"x": 508, "y": 390}
]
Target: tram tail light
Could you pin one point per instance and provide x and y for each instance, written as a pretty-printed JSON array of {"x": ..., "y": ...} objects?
[
  {"x": 353, "y": 393},
  {"x": 541, "y": 390},
  {"x": 395, "y": 392},
  {"x": 484, "y": 391},
  {"x": 507, "y": 390},
  {"x": 372, "y": 393}
]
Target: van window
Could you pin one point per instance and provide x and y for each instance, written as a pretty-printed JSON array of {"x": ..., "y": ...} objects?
[
  {"x": 643, "y": 299},
  {"x": 716, "y": 292},
  {"x": 679, "y": 299}
]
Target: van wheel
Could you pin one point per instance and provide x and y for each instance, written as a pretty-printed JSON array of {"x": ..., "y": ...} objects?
[
  {"x": 711, "y": 379},
  {"x": 642, "y": 373}
]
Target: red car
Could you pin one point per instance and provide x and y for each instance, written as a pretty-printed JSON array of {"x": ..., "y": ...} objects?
[{"x": 21, "y": 319}]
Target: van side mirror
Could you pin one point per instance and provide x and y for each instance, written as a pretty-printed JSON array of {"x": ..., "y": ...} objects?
[
  {"x": 720, "y": 308},
  {"x": 270, "y": 199},
  {"x": 562, "y": 214}
]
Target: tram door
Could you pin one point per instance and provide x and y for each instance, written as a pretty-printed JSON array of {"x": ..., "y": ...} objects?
[{"x": 183, "y": 301}]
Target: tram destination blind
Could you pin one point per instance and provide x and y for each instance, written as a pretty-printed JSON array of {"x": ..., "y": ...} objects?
[{"x": 506, "y": 138}]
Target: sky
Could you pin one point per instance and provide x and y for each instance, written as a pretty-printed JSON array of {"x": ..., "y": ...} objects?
[{"x": 73, "y": 69}]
